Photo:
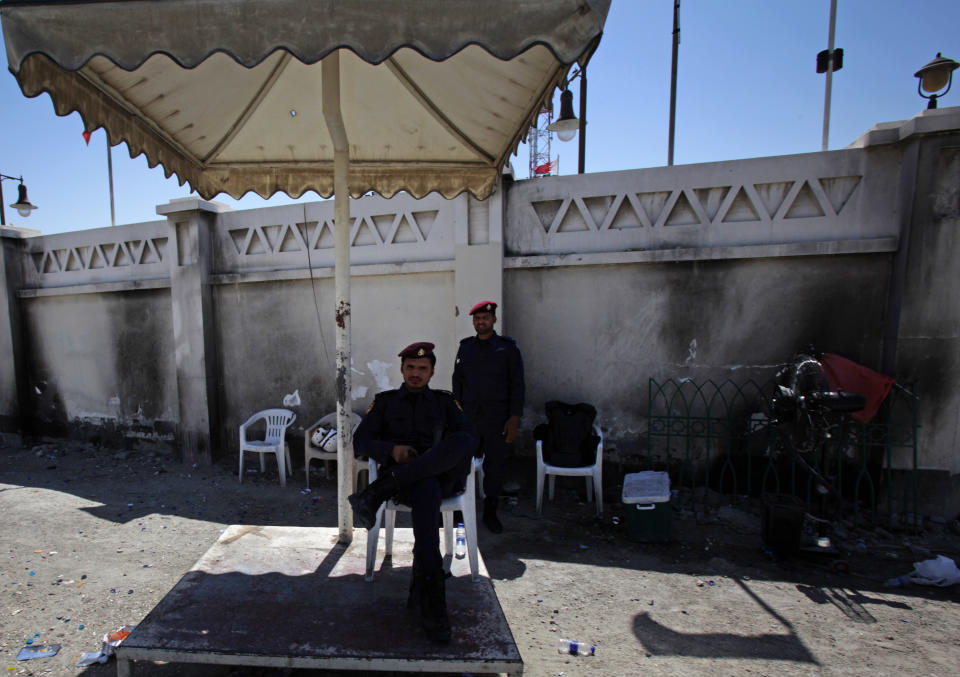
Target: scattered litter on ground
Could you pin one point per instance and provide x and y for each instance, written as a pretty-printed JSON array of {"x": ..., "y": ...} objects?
[
  {"x": 91, "y": 657},
  {"x": 110, "y": 643},
  {"x": 656, "y": 576},
  {"x": 941, "y": 572},
  {"x": 40, "y": 651}
]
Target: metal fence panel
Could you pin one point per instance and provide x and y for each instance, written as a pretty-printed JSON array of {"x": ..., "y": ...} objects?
[{"x": 715, "y": 440}]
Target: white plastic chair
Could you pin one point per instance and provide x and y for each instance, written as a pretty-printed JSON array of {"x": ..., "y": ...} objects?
[
  {"x": 478, "y": 466},
  {"x": 274, "y": 442},
  {"x": 311, "y": 452},
  {"x": 593, "y": 473},
  {"x": 465, "y": 502}
]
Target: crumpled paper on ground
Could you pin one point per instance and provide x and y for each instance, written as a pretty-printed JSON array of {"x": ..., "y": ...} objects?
[
  {"x": 293, "y": 399},
  {"x": 941, "y": 571},
  {"x": 110, "y": 643}
]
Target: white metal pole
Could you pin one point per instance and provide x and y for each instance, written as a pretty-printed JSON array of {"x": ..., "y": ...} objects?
[
  {"x": 826, "y": 96},
  {"x": 341, "y": 208}
]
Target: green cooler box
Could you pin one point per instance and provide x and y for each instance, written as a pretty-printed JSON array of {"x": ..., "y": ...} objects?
[{"x": 646, "y": 496}]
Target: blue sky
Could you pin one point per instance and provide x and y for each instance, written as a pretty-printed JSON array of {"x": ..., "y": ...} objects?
[{"x": 747, "y": 87}]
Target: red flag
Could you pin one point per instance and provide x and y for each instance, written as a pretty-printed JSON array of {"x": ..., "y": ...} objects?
[
  {"x": 848, "y": 376},
  {"x": 86, "y": 137},
  {"x": 542, "y": 169}
]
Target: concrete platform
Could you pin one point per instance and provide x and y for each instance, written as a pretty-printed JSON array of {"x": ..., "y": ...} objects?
[{"x": 293, "y": 597}]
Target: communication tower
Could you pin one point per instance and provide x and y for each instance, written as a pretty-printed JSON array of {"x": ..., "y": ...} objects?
[{"x": 538, "y": 138}]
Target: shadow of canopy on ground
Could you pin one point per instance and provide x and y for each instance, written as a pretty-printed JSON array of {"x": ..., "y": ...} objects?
[
  {"x": 124, "y": 487},
  {"x": 126, "y": 532},
  {"x": 141, "y": 488}
]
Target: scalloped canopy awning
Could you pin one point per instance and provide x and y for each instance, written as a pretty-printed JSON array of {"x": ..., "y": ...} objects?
[{"x": 227, "y": 94}]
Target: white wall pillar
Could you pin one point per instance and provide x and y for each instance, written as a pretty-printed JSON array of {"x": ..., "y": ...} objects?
[
  {"x": 191, "y": 224},
  {"x": 11, "y": 353},
  {"x": 478, "y": 257}
]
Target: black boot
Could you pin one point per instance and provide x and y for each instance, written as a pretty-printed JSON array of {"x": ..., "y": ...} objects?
[
  {"x": 490, "y": 519},
  {"x": 366, "y": 503},
  {"x": 433, "y": 607}
]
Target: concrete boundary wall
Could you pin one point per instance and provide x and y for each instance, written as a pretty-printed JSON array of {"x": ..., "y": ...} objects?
[
  {"x": 606, "y": 279},
  {"x": 791, "y": 199}
]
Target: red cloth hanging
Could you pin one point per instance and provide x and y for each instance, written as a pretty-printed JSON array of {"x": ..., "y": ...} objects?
[{"x": 847, "y": 376}]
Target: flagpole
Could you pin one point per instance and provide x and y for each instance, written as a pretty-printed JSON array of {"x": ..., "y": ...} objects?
[
  {"x": 113, "y": 213},
  {"x": 673, "y": 81}
]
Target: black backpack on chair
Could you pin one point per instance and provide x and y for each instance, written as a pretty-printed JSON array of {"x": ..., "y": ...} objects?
[{"x": 568, "y": 437}]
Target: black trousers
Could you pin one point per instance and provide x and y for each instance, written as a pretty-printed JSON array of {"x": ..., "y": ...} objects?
[
  {"x": 493, "y": 447},
  {"x": 424, "y": 482}
]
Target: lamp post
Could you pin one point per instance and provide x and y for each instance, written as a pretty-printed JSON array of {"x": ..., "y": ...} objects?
[
  {"x": 934, "y": 77},
  {"x": 22, "y": 205},
  {"x": 828, "y": 61},
  {"x": 567, "y": 125}
]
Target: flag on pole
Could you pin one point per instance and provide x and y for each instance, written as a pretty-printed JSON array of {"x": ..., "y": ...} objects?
[
  {"x": 113, "y": 211},
  {"x": 541, "y": 170}
]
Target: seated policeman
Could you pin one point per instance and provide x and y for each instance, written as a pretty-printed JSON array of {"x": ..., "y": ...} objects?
[{"x": 422, "y": 442}]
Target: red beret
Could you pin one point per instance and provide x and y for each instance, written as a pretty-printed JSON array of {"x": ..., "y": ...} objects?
[
  {"x": 421, "y": 349},
  {"x": 484, "y": 307}
]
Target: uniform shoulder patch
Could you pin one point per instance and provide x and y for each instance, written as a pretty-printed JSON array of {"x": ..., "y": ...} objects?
[
  {"x": 380, "y": 395},
  {"x": 448, "y": 394}
]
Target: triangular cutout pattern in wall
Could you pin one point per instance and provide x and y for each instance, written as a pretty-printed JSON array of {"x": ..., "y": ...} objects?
[{"x": 703, "y": 206}]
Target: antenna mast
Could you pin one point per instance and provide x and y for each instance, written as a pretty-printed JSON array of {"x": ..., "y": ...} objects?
[{"x": 538, "y": 137}]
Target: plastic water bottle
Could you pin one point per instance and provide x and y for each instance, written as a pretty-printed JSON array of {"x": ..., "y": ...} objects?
[
  {"x": 461, "y": 550},
  {"x": 575, "y": 648}
]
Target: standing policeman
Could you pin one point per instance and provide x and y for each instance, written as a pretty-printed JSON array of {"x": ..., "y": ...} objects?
[
  {"x": 488, "y": 380},
  {"x": 424, "y": 446}
]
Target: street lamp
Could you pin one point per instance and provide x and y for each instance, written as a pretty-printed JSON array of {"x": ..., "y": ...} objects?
[
  {"x": 935, "y": 76},
  {"x": 22, "y": 205},
  {"x": 566, "y": 125}
]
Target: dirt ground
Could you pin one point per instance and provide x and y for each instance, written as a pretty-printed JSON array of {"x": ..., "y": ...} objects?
[{"x": 94, "y": 538}]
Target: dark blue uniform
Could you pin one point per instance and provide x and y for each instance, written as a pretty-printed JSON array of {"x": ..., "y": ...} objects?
[
  {"x": 488, "y": 381},
  {"x": 433, "y": 423}
]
